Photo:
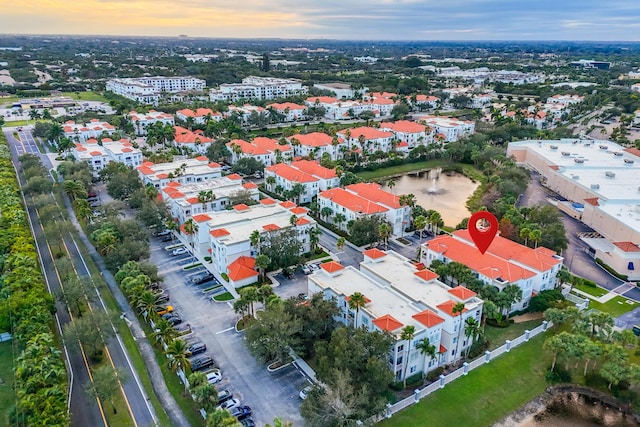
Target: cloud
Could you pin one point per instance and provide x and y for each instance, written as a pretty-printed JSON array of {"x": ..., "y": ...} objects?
[{"x": 337, "y": 19}]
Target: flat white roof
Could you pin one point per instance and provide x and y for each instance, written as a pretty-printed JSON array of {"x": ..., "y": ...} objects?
[{"x": 221, "y": 187}]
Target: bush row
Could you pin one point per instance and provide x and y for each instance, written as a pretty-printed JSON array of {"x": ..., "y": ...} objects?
[{"x": 26, "y": 309}]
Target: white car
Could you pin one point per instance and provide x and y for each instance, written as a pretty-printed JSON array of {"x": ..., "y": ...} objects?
[
  {"x": 230, "y": 404},
  {"x": 214, "y": 376},
  {"x": 179, "y": 251},
  {"x": 305, "y": 391},
  {"x": 306, "y": 269}
]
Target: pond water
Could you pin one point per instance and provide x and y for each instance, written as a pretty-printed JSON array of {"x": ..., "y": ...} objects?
[
  {"x": 577, "y": 410},
  {"x": 445, "y": 192}
]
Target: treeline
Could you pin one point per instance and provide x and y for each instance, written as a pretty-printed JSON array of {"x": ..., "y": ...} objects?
[{"x": 26, "y": 310}]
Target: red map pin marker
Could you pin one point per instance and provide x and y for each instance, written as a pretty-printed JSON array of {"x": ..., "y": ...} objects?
[{"x": 483, "y": 236}]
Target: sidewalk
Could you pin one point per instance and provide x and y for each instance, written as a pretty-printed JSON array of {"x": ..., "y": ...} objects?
[{"x": 618, "y": 291}]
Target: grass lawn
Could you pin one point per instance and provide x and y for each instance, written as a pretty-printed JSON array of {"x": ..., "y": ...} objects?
[
  {"x": 497, "y": 336},
  {"x": 469, "y": 170},
  {"x": 23, "y": 123},
  {"x": 122, "y": 417},
  {"x": 486, "y": 394},
  {"x": 595, "y": 291},
  {"x": 7, "y": 396},
  {"x": 223, "y": 297},
  {"x": 615, "y": 307},
  {"x": 86, "y": 96}
]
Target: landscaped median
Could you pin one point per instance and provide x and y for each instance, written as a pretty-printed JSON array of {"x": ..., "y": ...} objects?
[{"x": 486, "y": 394}]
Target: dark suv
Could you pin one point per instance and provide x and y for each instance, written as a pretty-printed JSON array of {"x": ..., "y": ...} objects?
[
  {"x": 201, "y": 278},
  {"x": 197, "y": 348},
  {"x": 201, "y": 363}
]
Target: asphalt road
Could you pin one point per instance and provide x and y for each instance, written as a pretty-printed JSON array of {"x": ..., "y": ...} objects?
[{"x": 84, "y": 411}]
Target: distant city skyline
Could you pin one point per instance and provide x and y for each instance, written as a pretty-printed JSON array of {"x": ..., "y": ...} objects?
[{"x": 617, "y": 20}]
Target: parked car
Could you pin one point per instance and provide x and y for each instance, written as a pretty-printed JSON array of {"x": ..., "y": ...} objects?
[
  {"x": 230, "y": 404},
  {"x": 94, "y": 204},
  {"x": 241, "y": 412},
  {"x": 179, "y": 251},
  {"x": 247, "y": 422},
  {"x": 164, "y": 233},
  {"x": 201, "y": 278},
  {"x": 201, "y": 363},
  {"x": 172, "y": 318},
  {"x": 305, "y": 392},
  {"x": 197, "y": 348},
  {"x": 223, "y": 396},
  {"x": 214, "y": 376},
  {"x": 164, "y": 309},
  {"x": 306, "y": 269},
  {"x": 167, "y": 238}
]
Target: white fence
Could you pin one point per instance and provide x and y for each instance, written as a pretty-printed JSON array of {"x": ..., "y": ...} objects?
[{"x": 464, "y": 370}]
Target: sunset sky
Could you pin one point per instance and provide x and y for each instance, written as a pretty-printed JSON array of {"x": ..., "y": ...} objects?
[{"x": 343, "y": 19}]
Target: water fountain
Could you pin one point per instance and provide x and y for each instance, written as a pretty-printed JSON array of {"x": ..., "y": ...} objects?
[{"x": 434, "y": 174}]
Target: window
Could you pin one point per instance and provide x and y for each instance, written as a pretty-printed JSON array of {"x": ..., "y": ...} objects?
[
  {"x": 412, "y": 369},
  {"x": 400, "y": 347}
]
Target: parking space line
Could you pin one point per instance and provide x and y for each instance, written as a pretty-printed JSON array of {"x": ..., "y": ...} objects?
[{"x": 225, "y": 330}]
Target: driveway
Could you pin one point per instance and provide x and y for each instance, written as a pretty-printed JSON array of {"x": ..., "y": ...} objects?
[{"x": 269, "y": 395}]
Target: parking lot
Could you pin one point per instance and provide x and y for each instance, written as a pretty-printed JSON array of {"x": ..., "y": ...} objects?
[{"x": 268, "y": 394}]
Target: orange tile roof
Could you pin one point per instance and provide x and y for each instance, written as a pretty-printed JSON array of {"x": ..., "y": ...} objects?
[
  {"x": 241, "y": 207},
  {"x": 202, "y": 158},
  {"x": 269, "y": 144},
  {"x": 429, "y": 98},
  {"x": 285, "y": 105},
  {"x": 375, "y": 193},
  {"x": 213, "y": 165},
  {"x": 289, "y": 173},
  {"x": 313, "y": 139},
  {"x": 374, "y": 253},
  {"x": 487, "y": 264},
  {"x": 271, "y": 227},
  {"x": 95, "y": 153},
  {"x": 428, "y": 318},
  {"x": 426, "y": 274},
  {"x": 352, "y": 201},
  {"x": 462, "y": 293},
  {"x": 368, "y": 133},
  {"x": 219, "y": 232},
  {"x": 201, "y": 218},
  {"x": 299, "y": 210},
  {"x": 242, "y": 268},
  {"x": 302, "y": 221},
  {"x": 268, "y": 201},
  {"x": 250, "y": 185},
  {"x": 314, "y": 168},
  {"x": 447, "y": 307},
  {"x": 592, "y": 201},
  {"x": 627, "y": 246},
  {"x": 162, "y": 176},
  {"x": 541, "y": 259},
  {"x": 331, "y": 266},
  {"x": 633, "y": 151},
  {"x": 175, "y": 195},
  {"x": 234, "y": 176},
  {"x": 404, "y": 126},
  {"x": 388, "y": 323},
  {"x": 185, "y": 136},
  {"x": 322, "y": 99},
  {"x": 288, "y": 204},
  {"x": 193, "y": 200}
]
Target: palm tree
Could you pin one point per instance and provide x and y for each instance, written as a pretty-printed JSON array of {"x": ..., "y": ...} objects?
[
  {"x": 326, "y": 212},
  {"x": 471, "y": 329},
  {"x": 148, "y": 304},
  {"x": 74, "y": 189},
  {"x": 420, "y": 222},
  {"x": 390, "y": 184},
  {"x": 205, "y": 197},
  {"x": 296, "y": 191},
  {"x": 178, "y": 354},
  {"x": 407, "y": 334},
  {"x": 254, "y": 238},
  {"x": 164, "y": 332},
  {"x": 340, "y": 243},
  {"x": 427, "y": 349},
  {"x": 356, "y": 300},
  {"x": 262, "y": 262},
  {"x": 524, "y": 234},
  {"x": 270, "y": 180},
  {"x": 435, "y": 219},
  {"x": 489, "y": 311},
  {"x": 221, "y": 418},
  {"x": 55, "y": 132},
  {"x": 339, "y": 219},
  {"x": 535, "y": 235},
  {"x": 458, "y": 309},
  {"x": 513, "y": 294},
  {"x": 385, "y": 231},
  {"x": 190, "y": 228},
  {"x": 314, "y": 238}
]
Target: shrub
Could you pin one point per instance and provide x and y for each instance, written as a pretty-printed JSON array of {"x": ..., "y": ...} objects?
[
  {"x": 435, "y": 374},
  {"x": 611, "y": 270},
  {"x": 499, "y": 324},
  {"x": 558, "y": 375},
  {"x": 545, "y": 300}
]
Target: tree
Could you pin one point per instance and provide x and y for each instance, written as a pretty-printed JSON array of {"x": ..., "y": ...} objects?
[
  {"x": 74, "y": 189},
  {"x": 356, "y": 301},
  {"x": 407, "y": 334},
  {"x": 340, "y": 243},
  {"x": 513, "y": 294},
  {"x": 92, "y": 330},
  {"x": 282, "y": 247},
  {"x": 364, "y": 231},
  {"x": 164, "y": 332},
  {"x": 555, "y": 345},
  {"x": 272, "y": 333},
  {"x": 390, "y": 184},
  {"x": 204, "y": 197},
  {"x": 221, "y": 418},
  {"x": 458, "y": 309},
  {"x": 204, "y": 394},
  {"x": 471, "y": 330},
  {"x": 74, "y": 294},
  {"x": 384, "y": 230},
  {"x": 262, "y": 262},
  {"x": 314, "y": 238},
  {"x": 148, "y": 304},
  {"x": 178, "y": 354},
  {"x": 106, "y": 383},
  {"x": 420, "y": 222},
  {"x": 426, "y": 349},
  {"x": 435, "y": 219},
  {"x": 247, "y": 166}
]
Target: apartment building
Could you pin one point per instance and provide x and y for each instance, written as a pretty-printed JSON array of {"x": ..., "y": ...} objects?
[
  {"x": 428, "y": 101},
  {"x": 316, "y": 144},
  {"x": 98, "y": 155},
  {"x": 226, "y": 236},
  {"x": 412, "y": 133},
  {"x": 361, "y": 200},
  {"x": 253, "y": 87},
  {"x": 195, "y": 141},
  {"x": 310, "y": 174},
  {"x": 341, "y": 90},
  {"x": 505, "y": 263},
  {"x": 187, "y": 171},
  {"x": 398, "y": 294},
  {"x": 600, "y": 181},
  {"x": 148, "y": 90},
  {"x": 80, "y": 132},
  {"x": 290, "y": 111},
  {"x": 245, "y": 111},
  {"x": 265, "y": 150},
  {"x": 367, "y": 139},
  {"x": 565, "y": 100},
  {"x": 200, "y": 116},
  {"x": 141, "y": 121},
  {"x": 185, "y": 200},
  {"x": 450, "y": 129}
]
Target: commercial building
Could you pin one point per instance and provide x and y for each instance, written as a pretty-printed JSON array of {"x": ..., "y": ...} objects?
[
  {"x": 600, "y": 180},
  {"x": 253, "y": 87},
  {"x": 590, "y": 63},
  {"x": 148, "y": 90},
  {"x": 187, "y": 171},
  {"x": 47, "y": 102},
  {"x": 94, "y": 129},
  {"x": 309, "y": 174},
  {"x": 141, "y": 121},
  {"x": 361, "y": 200},
  {"x": 398, "y": 294},
  {"x": 99, "y": 155}
]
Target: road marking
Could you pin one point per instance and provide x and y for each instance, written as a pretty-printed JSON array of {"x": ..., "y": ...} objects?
[{"x": 225, "y": 330}]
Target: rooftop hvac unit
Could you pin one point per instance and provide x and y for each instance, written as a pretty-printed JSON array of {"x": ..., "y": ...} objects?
[
  {"x": 603, "y": 147},
  {"x": 566, "y": 154},
  {"x": 617, "y": 153},
  {"x": 576, "y": 177},
  {"x": 578, "y": 160},
  {"x": 610, "y": 174},
  {"x": 595, "y": 186},
  {"x": 554, "y": 147},
  {"x": 629, "y": 161}
]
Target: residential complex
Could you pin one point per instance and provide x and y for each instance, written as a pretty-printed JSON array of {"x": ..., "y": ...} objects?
[
  {"x": 141, "y": 121},
  {"x": 265, "y": 150},
  {"x": 448, "y": 129},
  {"x": 341, "y": 90},
  {"x": 412, "y": 133},
  {"x": 398, "y": 293},
  {"x": 505, "y": 263},
  {"x": 309, "y": 174},
  {"x": 290, "y": 111},
  {"x": 200, "y": 116},
  {"x": 99, "y": 155},
  {"x": 601, "y": 180},
  {"x": 316, "y": 144},
  {"x": 344, "y": 109},
  {"x": 253, "y": 87},
  {"x": 187, "y": 171},
  {"x": 80, "y": 132},
  {"x": 361, "y": 200},
  {"x": 148, "y": 90},
  {"x": 195, "y": 141}
]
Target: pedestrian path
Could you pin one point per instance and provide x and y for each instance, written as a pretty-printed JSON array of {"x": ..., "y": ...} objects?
[{"x": 620, "y": 290}]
